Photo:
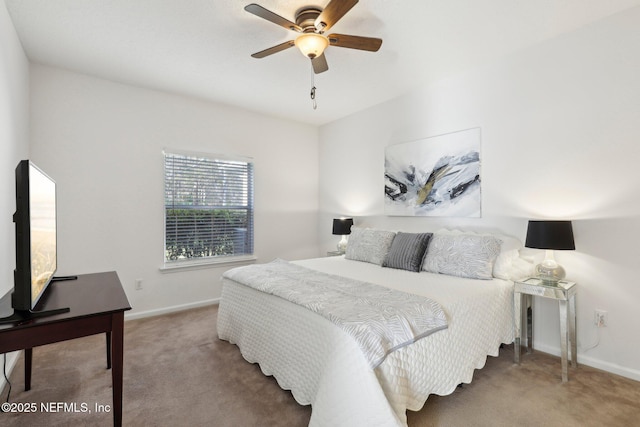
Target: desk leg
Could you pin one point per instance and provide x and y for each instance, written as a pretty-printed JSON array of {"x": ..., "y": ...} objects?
[
  {"x": 108, "y": 350},
  {"x": 564, "y": 338},
  {"x": 28, "y": 360},
  {"x": 117, "y": 356},
  {"x": 572, "y": 331}
]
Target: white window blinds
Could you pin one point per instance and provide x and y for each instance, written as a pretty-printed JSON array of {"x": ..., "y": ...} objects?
[{"x": 208, "y": 207}]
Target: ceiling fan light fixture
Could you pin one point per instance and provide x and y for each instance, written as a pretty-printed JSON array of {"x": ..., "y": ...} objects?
[{"x": 312, "y": 45}]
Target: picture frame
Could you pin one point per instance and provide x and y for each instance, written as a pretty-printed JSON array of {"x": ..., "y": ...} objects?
[{"x": 437, "y": 176}]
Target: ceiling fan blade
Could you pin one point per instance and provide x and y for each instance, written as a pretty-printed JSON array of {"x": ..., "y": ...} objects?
[
  {"x": 319, "y": 64},
  {"x": 274, "y": 49},
  {"x": 272, "y": 17},
  {"x": 355, "y": 42},
  {"x": 331, "y": 14}
]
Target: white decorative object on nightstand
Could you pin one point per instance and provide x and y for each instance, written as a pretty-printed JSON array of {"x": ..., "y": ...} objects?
[{"x": 565, "y": 293}]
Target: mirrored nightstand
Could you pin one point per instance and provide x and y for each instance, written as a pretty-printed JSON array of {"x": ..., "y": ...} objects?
[{"x": 565, "y": 293}]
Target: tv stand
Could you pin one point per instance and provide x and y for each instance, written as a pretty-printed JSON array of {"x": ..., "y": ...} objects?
[
  {"x": 20, "y": 316},
  {"x": 63, "y": 278}
]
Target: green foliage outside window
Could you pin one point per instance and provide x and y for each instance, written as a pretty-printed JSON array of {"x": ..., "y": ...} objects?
[{"x": 197, "y": 233}]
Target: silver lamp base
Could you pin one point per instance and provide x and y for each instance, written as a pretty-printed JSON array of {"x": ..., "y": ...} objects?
[
  {"x": 342, "y": 244},
  {"x": 549, "y": 270}
]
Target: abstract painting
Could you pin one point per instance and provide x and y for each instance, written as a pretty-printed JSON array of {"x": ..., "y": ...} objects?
[{"x": 436, "y": 176}]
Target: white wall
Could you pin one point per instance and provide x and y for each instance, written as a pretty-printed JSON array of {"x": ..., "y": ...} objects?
[
  {"x": 14, "y": 137},
  {"x": 102, "y": 142},
  {"x": 14, "y": 146},
  {"x": 560, "y": 127}
]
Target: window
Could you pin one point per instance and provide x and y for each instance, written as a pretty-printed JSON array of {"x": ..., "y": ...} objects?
[{"x": 208, "y": 208}]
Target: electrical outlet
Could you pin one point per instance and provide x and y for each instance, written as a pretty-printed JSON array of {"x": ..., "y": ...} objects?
[
  {"x": 138, "y": 284},
  {"x": 600, "y": 318}
]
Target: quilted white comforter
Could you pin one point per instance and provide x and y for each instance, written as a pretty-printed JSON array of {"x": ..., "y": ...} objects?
[
  {"x": 379, "y": 319},
  {"x": 324, "y": 367}
]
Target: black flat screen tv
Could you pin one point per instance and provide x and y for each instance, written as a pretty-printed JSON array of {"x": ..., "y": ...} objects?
[{"x": 36, "y": 241}]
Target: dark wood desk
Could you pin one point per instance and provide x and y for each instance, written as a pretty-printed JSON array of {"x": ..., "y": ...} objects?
[{"x": 97, "y": 304}]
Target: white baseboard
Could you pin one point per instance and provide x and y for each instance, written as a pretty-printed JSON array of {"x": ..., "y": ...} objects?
[
  {"x": 172, "y": 309},
  {"x": 595, "y": 363},
  {"x": 12, "y": 359}
]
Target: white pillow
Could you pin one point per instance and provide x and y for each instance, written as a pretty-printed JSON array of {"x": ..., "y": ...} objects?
[
  {"x": 509, "y": 265},
  {"x": 369, "y": 245},
  {"x": 462, "y": 254}
]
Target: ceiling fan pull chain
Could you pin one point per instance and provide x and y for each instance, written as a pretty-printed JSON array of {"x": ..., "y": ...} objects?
[{"x": 313, "y": 90}]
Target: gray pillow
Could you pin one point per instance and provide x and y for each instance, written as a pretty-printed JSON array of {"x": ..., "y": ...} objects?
[
  {"x": 407, "y": 251},
  {"x": 462, "y": 255},
  {"x": 369, "y": 245}
]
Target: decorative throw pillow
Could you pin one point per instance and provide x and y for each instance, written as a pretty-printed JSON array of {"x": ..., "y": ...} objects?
[
  {"x": 505, "y": 260},
  {"x": 407, "y": 251},
  {"x": 369, "y": 245},
  {"x": 510, "y": 266},
  {"x": 462, "y": 255}
]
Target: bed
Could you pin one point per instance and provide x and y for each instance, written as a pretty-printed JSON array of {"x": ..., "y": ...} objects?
[{"x": 322, "y": 365}]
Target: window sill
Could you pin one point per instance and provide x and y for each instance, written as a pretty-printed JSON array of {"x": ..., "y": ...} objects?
[{"x": 209, "y": 263}]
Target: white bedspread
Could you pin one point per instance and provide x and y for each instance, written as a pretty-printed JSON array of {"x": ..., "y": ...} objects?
[
  {"x": 379, "y": 319},
  {"x": 324, "y": 367}
]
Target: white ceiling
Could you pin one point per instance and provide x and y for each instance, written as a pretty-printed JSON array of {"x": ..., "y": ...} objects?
[{"x": 202, "y": 48}]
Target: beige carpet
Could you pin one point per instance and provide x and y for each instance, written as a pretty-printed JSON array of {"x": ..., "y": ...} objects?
[{"x": 177, "y": 372}]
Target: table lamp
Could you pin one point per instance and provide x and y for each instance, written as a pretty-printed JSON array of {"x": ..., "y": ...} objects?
[
  {"x": 342, "y": 227},
  {"x": 550, "y": 235}
]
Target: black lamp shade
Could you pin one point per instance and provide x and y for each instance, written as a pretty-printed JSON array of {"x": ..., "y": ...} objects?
[
  {"x": 557, "y": 235},
  {"x": 342, "y": 226}
]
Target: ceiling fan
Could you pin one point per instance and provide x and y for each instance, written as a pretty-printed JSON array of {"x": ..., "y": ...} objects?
[{"x": 312, "y": 22}]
